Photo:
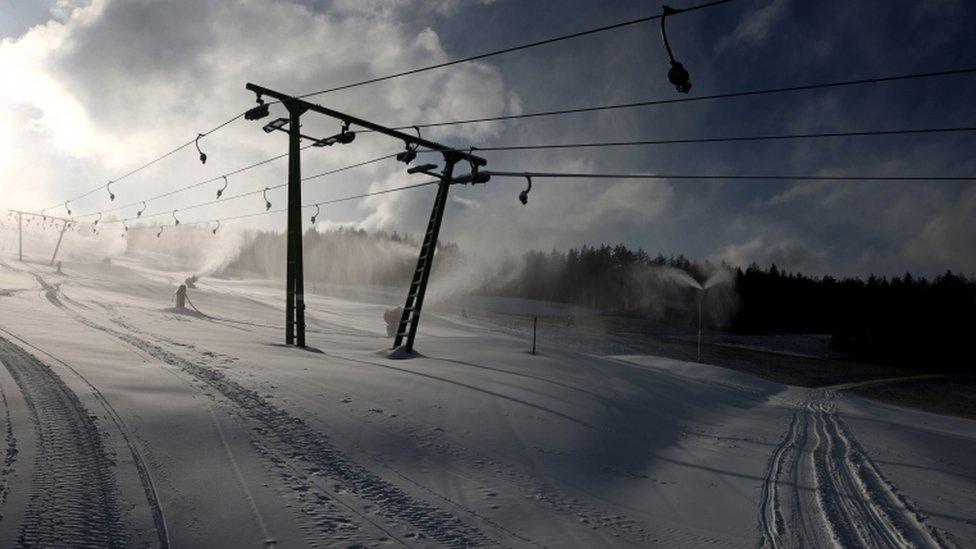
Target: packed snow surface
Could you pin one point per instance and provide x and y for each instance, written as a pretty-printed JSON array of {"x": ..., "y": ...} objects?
[{"x": 128, "y": 422}]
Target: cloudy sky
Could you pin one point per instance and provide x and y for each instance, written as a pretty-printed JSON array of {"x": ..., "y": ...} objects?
[{"x": 90, "y": 90}]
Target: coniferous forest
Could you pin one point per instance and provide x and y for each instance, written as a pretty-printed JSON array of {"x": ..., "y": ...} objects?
[
  {"x": 907, "y": 320},
  {"x": 924, "y": 323}
]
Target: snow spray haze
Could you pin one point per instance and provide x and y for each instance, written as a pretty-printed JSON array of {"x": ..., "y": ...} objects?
[
  {"x": 665, "y": 287},
  {"x": 39, "y": 236},
  {"x": 677, "y": 276},
  {"x": 194, "y": 249}
]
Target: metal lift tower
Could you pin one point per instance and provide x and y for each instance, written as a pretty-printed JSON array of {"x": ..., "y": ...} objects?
[{"x": 295, "y": 298}]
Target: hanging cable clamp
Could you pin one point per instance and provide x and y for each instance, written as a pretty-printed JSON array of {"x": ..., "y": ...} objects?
[
  {"x": 524, "y": 195},
  {"x": 677, "y": 75},
  {"x": 203, "y": 155},
  {"x": 221, "y": 190}
]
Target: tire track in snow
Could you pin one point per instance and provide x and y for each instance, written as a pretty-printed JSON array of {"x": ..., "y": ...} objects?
[
  {"x": 52, "y": 294},
  {"x": 10, "y": 451},
  {"x": 293, "y": 438},
  {"x": 544, "y": 491},
  {"x": 830, "y": 494},
  {"x": 770, "y": 516},
  {"x": 326, "y": 523},
  {"x": 145, "y": 476},
  {"x": 301, "y": 441},
  {"x": 73, "y": 499}
]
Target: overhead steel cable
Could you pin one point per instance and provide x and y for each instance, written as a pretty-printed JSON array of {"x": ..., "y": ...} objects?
[
  {"x": 516, "y": 48},
  {"x": 674, "y": 141},
  {"x": 712, "y": 97},
  {"x": 399, "y": 75},
  {"x": 147, "y": 164},
  {"x": 237, "y": 171},
  {"x": 245, "y": 194},
  {"x": 757, "y": 177},
  {"x": 578, "y": 175},
  {"x": 280, "y": 210},
  {"x": 185, "y": 188},
  {"x": 732, "y": 139},
  {"x": 374, "y": 193}
]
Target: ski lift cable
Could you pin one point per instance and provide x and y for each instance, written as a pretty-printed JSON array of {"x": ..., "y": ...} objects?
[
  {"x": 263, "y": 189},
  {"x": 234, "y": 172},
  {"x": 758, "y": 177},
  {"x": 732, "y": 139},
  {"x": 564, "y": 175},
  {"x": 280, "y": 210},
  {"x": 549, "y": 113},
  {"x": 459, "y": 61},
  {"x": 581, "y": 110},
  {"x": 577, "y": 175},
  {"x": 192, "y": 186},
  {"x": 726, "y": 95},
  {"x": 163, "y": 156},
  {"x": 519, "y": 47},
  {"x": 268, "y": 210}
]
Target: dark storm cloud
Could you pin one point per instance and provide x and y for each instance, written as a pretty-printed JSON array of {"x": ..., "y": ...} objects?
[
  {"x": 133, "y": 46},
  {"x": 197, "y": 55},
  {"x": 744, "y": 45}
]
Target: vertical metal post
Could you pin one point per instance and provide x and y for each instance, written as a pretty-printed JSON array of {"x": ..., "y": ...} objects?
[
  {"x": 20, "y": 236},
  {"x": 535, "y": 324},
  {"x": 64, "y": 227},
  {"x": 294, "y": 285},
  {"x": 701, "y": 295}
]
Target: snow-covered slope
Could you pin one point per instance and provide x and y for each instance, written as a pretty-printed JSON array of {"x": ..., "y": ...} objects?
[{"x": 200, "y": 430}]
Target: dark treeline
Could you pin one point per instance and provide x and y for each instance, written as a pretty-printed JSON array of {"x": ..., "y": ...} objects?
[
  {"x": 609, "y": 279},
  {"x": 903, "y": 320}
]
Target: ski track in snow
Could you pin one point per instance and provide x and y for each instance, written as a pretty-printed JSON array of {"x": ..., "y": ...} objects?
[
  {"x": 549, "y": 492},
  {"x": 291, "y": 437},
  {"x": 822, "y": 490},
  {"x": 73, "y": 500},
  {"x": 317, "y": 502},
  {"x": 10, "y": 451},
  {"x": 302, "y": 454},
  {"x": 53, "y": 295}
]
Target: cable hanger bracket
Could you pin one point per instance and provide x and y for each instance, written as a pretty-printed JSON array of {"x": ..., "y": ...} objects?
[
  {"x": 524, "y": 195},
  {"x": 220, "y": 191},
  {"x": 203, "y": 155},
  {"x": 677, "y": 74}
]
